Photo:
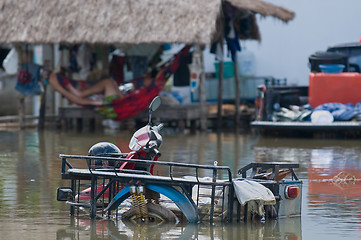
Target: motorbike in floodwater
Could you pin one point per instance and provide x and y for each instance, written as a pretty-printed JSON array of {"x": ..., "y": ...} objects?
[
  {"x": 144, "y": 145},
  {"x": 129, "y": 188}
]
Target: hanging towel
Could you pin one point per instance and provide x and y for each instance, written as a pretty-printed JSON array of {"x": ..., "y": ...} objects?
[
  {"x": 248, "y": 190},
  {"x": 254, "y": 194}
]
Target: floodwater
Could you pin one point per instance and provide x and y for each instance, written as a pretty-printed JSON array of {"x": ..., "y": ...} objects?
[{"x": 30, "y": 175}]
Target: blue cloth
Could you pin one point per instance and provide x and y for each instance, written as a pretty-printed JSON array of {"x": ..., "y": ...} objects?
[{"x": 32, "y": 87}]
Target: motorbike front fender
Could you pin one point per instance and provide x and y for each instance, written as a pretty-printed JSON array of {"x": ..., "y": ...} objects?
[{"x": 188, "y": 208}]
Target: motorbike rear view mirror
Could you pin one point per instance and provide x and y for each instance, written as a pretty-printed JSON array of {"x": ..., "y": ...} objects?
[{"x": 154, "y": 105}]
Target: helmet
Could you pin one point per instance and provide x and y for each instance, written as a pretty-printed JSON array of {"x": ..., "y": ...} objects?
[{"x": 104, "y": 149}]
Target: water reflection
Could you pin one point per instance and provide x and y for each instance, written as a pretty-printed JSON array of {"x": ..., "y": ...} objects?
[
  {"x": 332, "y": 173},
  {"x": 30, "y": 174},
  {"x": 334, "y": 176},
  {"x": 105, "y": 229}
]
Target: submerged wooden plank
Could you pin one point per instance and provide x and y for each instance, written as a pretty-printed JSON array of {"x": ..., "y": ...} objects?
[
  {"x": 78, "y": 112},
  {"x": 186, "y": 112}
]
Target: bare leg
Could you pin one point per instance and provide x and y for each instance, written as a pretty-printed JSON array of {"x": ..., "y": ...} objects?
[
  {"x": 69, "y": 95},
  {"x": 73, "y": 90},
  {"x": 107, "y": 87}
]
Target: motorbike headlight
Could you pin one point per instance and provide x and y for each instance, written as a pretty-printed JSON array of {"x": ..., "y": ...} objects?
[{"x": 133, "y": 144}]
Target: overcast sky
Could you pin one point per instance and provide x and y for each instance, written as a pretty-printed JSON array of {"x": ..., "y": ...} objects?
[{"x": 285, "y": 48}]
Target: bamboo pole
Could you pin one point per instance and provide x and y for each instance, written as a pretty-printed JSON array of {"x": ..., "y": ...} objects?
[
  {"x": 220, "y": 93},
  {"x": 21, "y": 98},
  {"x": 238, "y": 91}
]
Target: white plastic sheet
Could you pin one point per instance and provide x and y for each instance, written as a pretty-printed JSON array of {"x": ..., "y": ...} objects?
[{"x": 11, "y": 62}]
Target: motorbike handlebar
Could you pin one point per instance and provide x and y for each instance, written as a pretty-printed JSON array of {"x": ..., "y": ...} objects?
[
  {"x": 157, "y": 153},
  {"x": 159, "y": 127}
]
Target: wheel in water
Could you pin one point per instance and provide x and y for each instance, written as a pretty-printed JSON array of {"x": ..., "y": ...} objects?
[{"x": 156, "y": 214}]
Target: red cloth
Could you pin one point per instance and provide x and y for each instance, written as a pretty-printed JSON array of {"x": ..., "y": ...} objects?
[{"x": 116, "y": 68}]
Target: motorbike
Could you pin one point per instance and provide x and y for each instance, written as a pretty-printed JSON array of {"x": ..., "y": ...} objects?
[{"x": 129, "y": 188}]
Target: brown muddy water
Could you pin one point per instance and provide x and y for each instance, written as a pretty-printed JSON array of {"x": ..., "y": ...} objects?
[{"x": 30, "y": 175}]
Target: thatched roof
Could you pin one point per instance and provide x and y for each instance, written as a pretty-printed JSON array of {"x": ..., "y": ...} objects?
[
  {"x": 119, "y": 21},
  {"x": 110, "y": 21},
  {"x": 264, "y": 8}
]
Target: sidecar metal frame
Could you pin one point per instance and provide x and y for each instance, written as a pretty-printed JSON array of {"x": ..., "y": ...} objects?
[
  {"x": 184, "y": 192},
  {"x": 178, "y": 189}
]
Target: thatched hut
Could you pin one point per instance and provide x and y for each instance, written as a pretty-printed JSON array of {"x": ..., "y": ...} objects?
[
  {"x": 123, "y": 21},
  {"x": 108, "y": 22},
  {"x": 119, "y": 21}
]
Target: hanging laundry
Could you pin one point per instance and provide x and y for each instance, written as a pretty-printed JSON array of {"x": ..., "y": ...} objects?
[
  {"x": 216, "y": 49},
  {"x": 182, "y": 75},
  {"x": 116, "y": 68},
  {"x": 29, "y": 80},
  {"x": 232, "y": 39},
  {"x": 83, "y": 58},
  {"x": 74, "y": 66}
]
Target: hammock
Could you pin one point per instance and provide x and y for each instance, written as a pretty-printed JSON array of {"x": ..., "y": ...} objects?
[{"x": 138, "y": 100}]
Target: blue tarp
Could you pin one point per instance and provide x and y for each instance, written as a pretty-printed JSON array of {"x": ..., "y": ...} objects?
[{"x": 341, "y": 112}]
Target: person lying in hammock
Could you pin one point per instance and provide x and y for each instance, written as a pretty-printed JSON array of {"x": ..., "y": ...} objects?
[{"x": 107, "y": 87}]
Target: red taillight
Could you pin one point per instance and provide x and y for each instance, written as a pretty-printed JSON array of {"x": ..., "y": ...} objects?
[{"x": 292, "y": 191}]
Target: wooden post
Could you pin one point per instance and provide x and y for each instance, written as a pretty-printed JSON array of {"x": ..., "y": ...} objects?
[
  {"x": 238, "y": 92},
  {"x": 21, "y": 98},
  {"x": 220, "y": 89},
  {"x": 21, "y": 111},
  {"x": 202, "y": 89},
  {"x": 42, "y": 109},
  {"x": 220, "y": 94}
]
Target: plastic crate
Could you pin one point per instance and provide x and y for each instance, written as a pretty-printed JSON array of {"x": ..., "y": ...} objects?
[
  {"x": 328, "y": 88},
  {"x": 228, "y": 69}
]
